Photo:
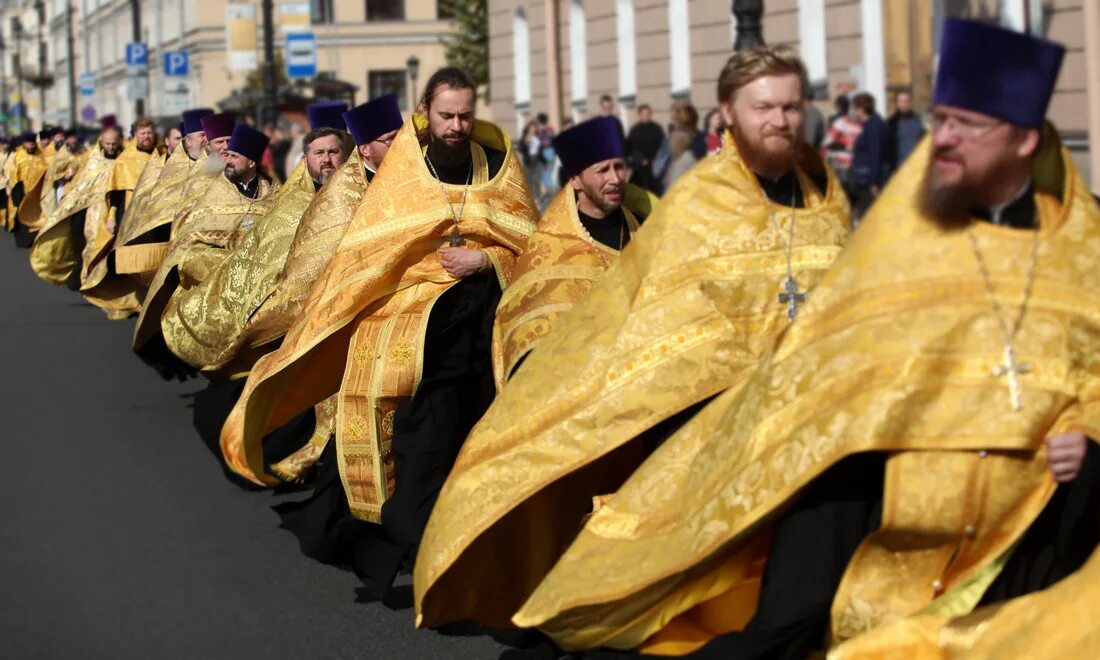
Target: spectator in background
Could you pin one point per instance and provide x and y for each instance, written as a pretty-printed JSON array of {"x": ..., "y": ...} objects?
[
  {"x": 682, "y": 135},
  {"x": 870, "y": 156},
  {"x": 841, "y": 108},
  {"x": 709, "y": 141},
  {"x": 546, "y": 149},
  {"x": 532, "y": 158},
  {"x": 607, "y": 109},
  {"x": 280, "y": 146},
  {"x": 905, "y": 129},
  {"x": 561, "y": 175},
  {"x": 813, "y": 123},
  {"x": 643, "y": 143},
  {"x": 840, "y": 140},
  {"x": 295, "y": 150}
]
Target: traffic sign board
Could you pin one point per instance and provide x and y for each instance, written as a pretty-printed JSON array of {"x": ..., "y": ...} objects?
[
  {"x": 177, "y": 63},
  {"x": 87, "y": 113},
  {"x": 87, "y": 84},
  {"x": 137, "y": 55},
  {"x": 301, "y": 55}
]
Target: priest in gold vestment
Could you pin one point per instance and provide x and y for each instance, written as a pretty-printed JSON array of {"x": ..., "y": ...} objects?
[
  {"x": 6, "y": 155},
  {"x": 716, "y": 272},
  {"x": 142, "y": 239},
  {"x": 915, "y": 446},
  {"x": 139, "y": 164},
  {"x": 579, "y": 236},
  {"x": 28, "y": 166},
  {"x": 281, "y": 269},
  {"x": 201, "y": 321},
  {"x": 203, "y": 237},
  {"x": 60, "y": 250},
  {"x": 399, "y": 325},
  {"x": 65, "y": 164}
]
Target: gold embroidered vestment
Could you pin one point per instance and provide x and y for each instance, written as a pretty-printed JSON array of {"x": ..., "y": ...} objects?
[
  {"x": 896, "y": 352},
  {"x": 686, "y": 312}
]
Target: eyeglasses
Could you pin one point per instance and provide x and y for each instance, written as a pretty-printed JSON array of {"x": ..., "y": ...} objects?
[
  {"x": 962, "y": 127},
  {"x": 386, "y": 141}
]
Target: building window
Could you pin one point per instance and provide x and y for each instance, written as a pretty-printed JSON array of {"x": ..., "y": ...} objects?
[
  {"x": 679, "y": 47},
  {"x": 385, "y": 10},
  {"x": 389, "y": 82},
  {"x": 628, "y": 76},
  {"x": 578, "y": 58},
  {"x": 320, "y": 12},
  {"x": 444, "y": 9}
]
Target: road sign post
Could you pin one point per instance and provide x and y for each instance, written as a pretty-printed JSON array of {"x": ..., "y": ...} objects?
[{"x": 301, "y": 55}]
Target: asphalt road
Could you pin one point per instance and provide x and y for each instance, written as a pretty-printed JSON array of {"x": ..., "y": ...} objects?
[{"x": 120, "y": 537}]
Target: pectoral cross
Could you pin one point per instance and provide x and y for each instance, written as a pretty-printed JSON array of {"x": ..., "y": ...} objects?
[
  {"x": 1012, "y": 369},
  {"x": 456, "y": 238},
  {"x": 792, "y": 297}
]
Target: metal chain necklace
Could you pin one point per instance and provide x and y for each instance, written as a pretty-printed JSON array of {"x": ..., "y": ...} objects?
[
  {"x": 1009, "y": 368},
  {"x": 622, "y": 239},
  {"x": 456, "y": 235},
  {"x": 790, "y": 296}
]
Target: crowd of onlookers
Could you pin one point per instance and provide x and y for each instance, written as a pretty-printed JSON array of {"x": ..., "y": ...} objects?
[{"x": 862, "y": 147}]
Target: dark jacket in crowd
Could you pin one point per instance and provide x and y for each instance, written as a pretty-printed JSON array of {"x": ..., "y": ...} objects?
[
  {"x": 871, "y": 154},
  {"x": 905, "y": 130}
]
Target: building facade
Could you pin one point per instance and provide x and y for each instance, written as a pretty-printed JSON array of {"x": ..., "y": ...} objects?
[
  {"x": 367, "y": 43},
  {"x": 561, "y": 56}
]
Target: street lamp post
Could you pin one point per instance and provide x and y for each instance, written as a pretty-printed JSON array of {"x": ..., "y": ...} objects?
[
  {"x": 40, "y": 10},
  {"x": 749, "y": 26},
  {"x": 413, "y": 66},
  {"x": 3, "y": 81}
]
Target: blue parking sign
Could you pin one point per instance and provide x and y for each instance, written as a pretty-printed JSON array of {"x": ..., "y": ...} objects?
[
  {"x": 137, "y": 54},
  {"x": 177, "y": 63}
]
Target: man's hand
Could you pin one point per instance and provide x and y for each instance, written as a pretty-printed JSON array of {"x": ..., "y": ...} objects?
[
  {"x": 1065, "y": 454},
  {"x": 111, "y": 225},
  {"x": 460, "y": 262}
]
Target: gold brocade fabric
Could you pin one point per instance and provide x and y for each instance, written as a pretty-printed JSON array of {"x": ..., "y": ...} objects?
[
  {"x": 53, "y": 256},
  {"x": 318, "y": 235},
  {"x": 1058, "y": 622},
  {"x": 64, "y": 165},
  {"x": 6, "y": 219},
  {"x": 29, "y": 169},
  {"x": 895, "y": 352},
  {"x": 557, "y": 267},
  {"x": 362, "y": 330},
  {"x": 212, "y": 228},
  {"x": 179, "y": 175},
  {"x": 118, "y": 295},
  {"x": 686, "y": 312},
  {"x": 202, "y": 322}
]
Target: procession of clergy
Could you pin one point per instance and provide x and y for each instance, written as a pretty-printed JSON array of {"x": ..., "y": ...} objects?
[{"x": 720, "y": 424}]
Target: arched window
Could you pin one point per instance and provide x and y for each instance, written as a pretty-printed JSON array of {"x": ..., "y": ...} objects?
[
  {"x": 578, "y": 58},
  {"x": 679, "y": 48},
  {"x": 628, "y": 74}
]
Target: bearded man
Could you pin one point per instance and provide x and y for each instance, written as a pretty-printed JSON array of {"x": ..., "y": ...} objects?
[
  {"x": 717, "y": 271},
  {"x": 204, "y": 236},
  {"x": 28, "y": 167},
  {"x": 61, "y": 249},
  {"x": 400, "y": 326},
  {"x": 914, "y": 453},
  {"x": 173, "y": 137},
  {"x": 581, "y": 233},
  {"x": 142, "y": 239}
]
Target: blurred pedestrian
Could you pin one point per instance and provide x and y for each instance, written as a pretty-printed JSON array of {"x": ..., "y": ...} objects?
[
  {"x": 643, "y": 143},
  {"x": 607, "y": 109},
  {"x": 840, "y": 140},
  {"x": 905, "y": 129},
  {"x": 841, "y": 108},
  {"x": 681, "y": 136},
  {"x": 532, "y": 158},
  {"x": 709, "y": 141},
  {"x": 813, "y": 124},
  {"x": 870, "y": 156}
]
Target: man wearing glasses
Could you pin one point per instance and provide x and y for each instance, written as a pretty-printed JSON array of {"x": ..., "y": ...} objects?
[{"x": 909, "y": 474}]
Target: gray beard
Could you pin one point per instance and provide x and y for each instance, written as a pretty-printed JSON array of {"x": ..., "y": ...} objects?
[{"x": 212, "y": 164}]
